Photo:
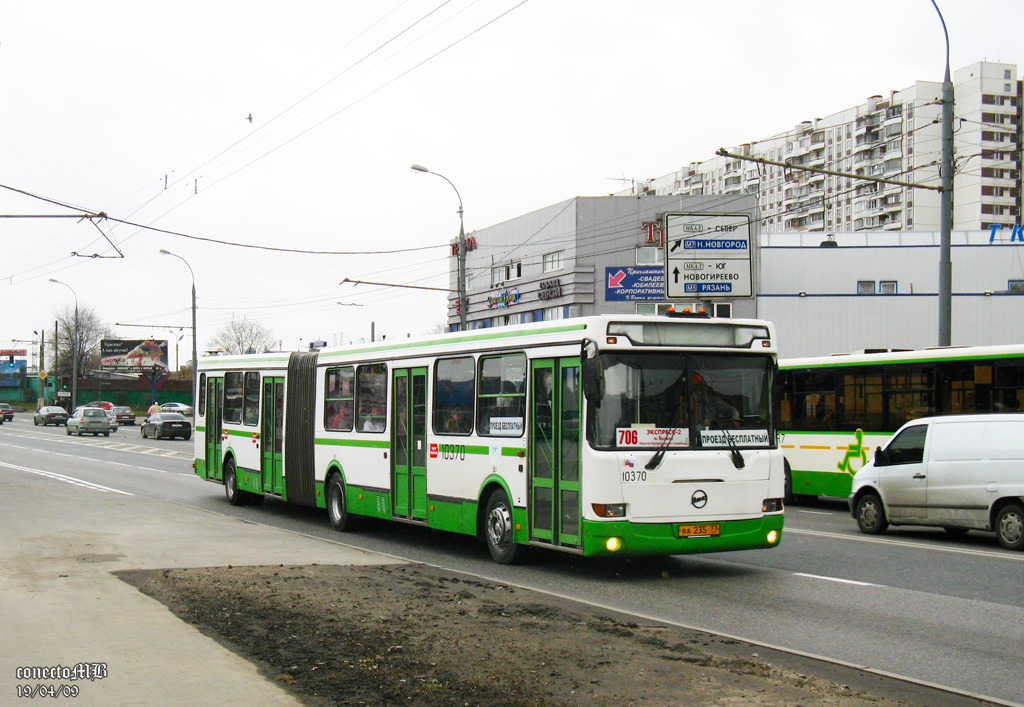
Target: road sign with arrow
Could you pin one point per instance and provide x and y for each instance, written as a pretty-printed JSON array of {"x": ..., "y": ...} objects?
[{"x": 707, "y": 256}]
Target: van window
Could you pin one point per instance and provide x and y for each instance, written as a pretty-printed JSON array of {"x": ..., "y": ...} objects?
[{"x": 908, "y": 446}]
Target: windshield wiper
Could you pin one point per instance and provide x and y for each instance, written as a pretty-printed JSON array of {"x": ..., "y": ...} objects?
[
  {"x": 659, "y": 454},
  {"x": 734, "y": 451}
]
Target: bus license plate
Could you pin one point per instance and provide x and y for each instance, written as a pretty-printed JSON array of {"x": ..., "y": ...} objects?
[{"x": 688, "y": 531}]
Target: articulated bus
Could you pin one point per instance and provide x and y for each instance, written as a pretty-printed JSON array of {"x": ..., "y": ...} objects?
[
  {"x": 582, "y": 435},
  {"x": 834, "y": 411}
]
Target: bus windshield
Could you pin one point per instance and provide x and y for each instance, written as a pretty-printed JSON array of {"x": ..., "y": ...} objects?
[{"x": 680, "y": 401}]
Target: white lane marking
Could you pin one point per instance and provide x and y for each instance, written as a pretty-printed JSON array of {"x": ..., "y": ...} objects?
[
  {"x": 816, "y": 513},
  {"x": 836, "y": 579},
  {"x": 66, "y": 479},
  {"x": 116, "y": 463},
  {"x": 916, "y": 544}
]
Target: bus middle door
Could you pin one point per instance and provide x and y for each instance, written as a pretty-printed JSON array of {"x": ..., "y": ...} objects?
[
  {"x": 408, "y": 443},
  {"x": 554, "y": 456},
  {"x": 272, "y": 435}
]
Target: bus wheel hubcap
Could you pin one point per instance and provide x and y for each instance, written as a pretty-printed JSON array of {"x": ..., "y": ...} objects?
[{"x": 499, "y": 526}]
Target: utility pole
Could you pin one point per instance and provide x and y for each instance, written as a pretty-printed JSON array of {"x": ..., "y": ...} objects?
[{"x": 946, "y": 204}]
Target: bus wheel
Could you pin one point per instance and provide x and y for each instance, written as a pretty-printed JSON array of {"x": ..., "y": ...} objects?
[
  {"x": 499, "y": 530},
  {"x": 337, "y": 510},
  {"x": 231, "y": 491},
  {"x": 871, "y": 515},
  {"x": 1010, "y": 526}
]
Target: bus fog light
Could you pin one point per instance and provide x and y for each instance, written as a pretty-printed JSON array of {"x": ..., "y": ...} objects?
[
  {"x": 771, "y": 505},
  {"x": 773, "y": 537},
  {"x": 609, "y": 510},
  {"x": 613, "y": 544}
]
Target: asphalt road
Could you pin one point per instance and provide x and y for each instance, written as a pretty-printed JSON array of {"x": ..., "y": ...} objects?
[{"x": 915, "y": 603}]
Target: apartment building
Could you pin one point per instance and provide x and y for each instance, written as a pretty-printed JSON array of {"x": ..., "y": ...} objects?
[{"x": 897, "y": 137}]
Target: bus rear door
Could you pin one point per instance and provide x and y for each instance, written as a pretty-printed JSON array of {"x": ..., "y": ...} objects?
[{"x": 214, "y": 426}]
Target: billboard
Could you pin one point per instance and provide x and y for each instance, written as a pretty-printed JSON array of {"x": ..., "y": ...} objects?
[
  {"x": 12, "y": 374},
  {"x": 643, "y": 283},
  {"x": 133, "y": 355}
]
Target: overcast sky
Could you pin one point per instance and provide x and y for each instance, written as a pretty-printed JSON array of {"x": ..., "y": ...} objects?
[{"x": 141, "y": 110}]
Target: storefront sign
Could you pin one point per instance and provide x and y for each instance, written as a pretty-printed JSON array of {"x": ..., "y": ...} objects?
[
  {"x": 503, "y": 299},
  {"x": 550, "y": 289}
]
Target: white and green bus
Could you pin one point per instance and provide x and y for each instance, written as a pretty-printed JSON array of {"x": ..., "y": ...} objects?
[
  {"x": 834, "y": 411},
  {"x": 582, "y": 435}
]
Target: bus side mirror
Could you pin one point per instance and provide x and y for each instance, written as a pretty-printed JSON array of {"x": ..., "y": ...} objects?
[{"x": 881, "y": 457}]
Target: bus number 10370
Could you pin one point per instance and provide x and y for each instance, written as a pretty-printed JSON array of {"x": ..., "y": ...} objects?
[
  {"x": 452, "y": 451},
  {"x": 634, "y": 475}
]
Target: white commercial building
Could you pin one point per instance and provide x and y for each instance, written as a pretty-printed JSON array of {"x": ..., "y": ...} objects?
[{"x": 860, "y": 290}]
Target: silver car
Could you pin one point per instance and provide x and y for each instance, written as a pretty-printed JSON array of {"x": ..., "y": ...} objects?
[{"x": 87, "y": 420}]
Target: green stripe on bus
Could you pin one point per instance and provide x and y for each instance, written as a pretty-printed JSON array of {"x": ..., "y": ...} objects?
[
  {"x": 372, "y": 443},
  {"x": 454, "y": 340}
]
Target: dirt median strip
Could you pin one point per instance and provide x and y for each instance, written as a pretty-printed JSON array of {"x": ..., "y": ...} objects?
[{"x": 415, "y": 635}]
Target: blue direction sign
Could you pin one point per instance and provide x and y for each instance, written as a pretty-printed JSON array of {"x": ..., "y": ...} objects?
[{"x": 707, "y": 255}]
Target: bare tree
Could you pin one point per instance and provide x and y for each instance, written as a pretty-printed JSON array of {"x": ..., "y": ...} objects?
[
  {"x": 83, "y": 337},
  {"x": 242, "y": 336}
]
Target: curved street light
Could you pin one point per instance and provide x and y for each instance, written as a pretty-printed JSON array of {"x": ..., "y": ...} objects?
[
  {"x": 462, "y": 247},
  {"x": 195, "y": 358},
  {"x": 74, "y": 349}
]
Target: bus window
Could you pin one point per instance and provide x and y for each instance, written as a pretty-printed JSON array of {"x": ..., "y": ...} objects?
[
  {"x": 501, "y": 402},
  {"x": 860, "y": 402},
  {"x": 251, "y": 402},
  {"x": 371, "y": 396},
  {"x": 453, "y": 396},
  {"x": 339, "y": 395},
  {"x": 233, "y": 397},
  {"x": 911, "y": 394},
  {"x": 1010, "y": 387},
  {"x": 813, "y": 403},
  {"x": 202, "y": 395}
]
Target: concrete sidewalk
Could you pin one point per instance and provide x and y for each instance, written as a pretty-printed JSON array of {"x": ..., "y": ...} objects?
[{"x": 61, "y": 606}]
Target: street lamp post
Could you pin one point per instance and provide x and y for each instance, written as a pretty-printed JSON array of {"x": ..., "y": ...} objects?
[
  {"x": 195, "y": 357},
  {"x": 946, "y": 203},
  {"x": 74, "y": 349},
  {"x": 462, "y": 248}
]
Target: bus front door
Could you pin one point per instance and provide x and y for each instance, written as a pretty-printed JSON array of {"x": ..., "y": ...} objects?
[
  {"x": 408, "y": 443},
  {"x": 271, "y": 435},
  {"x": 554, "y": 456},
  {"x": 214, "y": 426}
]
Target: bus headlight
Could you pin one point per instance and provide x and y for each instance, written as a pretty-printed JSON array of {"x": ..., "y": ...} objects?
[
  {"x": 773, "y": 537},
  {"x": 771, "y": 505},
  {"x": 609, "y": 510},
  {"x": 613, "y": 544}
]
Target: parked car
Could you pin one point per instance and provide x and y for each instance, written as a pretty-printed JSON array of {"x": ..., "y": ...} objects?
[
  {"x": 124, "y": 415},
  {"x": 176, "y": 407},
  {"x": 50, "y": 415},
  {"x": 167, "y": 424},
  {"x": 8, "y": 412},
  {"x": 957, "y": 472},
  {"x": 88, "y": 420},
  {"x": 100, "y": 404}
]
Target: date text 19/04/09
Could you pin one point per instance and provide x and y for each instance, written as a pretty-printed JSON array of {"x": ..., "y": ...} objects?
[{"x": 79, "y": 671}]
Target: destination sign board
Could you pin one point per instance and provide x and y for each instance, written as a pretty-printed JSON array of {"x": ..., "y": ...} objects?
[{"x": 707, "y": 256}]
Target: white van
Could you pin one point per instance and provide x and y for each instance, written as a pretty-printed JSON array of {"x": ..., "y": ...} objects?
[{"x": 957, "y": 472}]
